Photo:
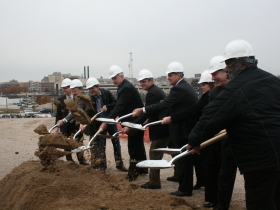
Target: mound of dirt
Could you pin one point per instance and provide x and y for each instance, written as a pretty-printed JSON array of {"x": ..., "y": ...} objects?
[{"x": 77, "y": 187}]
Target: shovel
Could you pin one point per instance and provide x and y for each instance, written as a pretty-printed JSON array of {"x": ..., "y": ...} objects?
[
  {"x": 112, "y": 121},
  {"x": 93, "y": 118},
  {"x": 162, "y": 164},
  {"x": 55, "y": 126},
  {"x": 139, "y": 126},
  {"x": 109, "y": 136},
  {"x": 82, "y": 148},
  {"x": 172, "y": 151}
]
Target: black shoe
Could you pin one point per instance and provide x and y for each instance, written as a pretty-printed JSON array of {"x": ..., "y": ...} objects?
[
  {"x": 84, "y": 163},
  {"x": 149, "y": 186},
  {"x": 172, "y": 179},
  {"x": 197, "y": 186},
  {"x": 122, "y": 168},
  {"x": 143, "y": 171},
  {"x": 210, "y": 205},
  {"x": 179, "y": 193}
]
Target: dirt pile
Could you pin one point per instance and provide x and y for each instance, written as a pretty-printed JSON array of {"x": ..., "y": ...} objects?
[{"x": 77, "y": 187}]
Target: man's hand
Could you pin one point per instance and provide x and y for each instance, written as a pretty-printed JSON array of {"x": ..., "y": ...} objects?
[
  {"x": 83, "y": 127},
  {"x": 166, "y": 120},
  {"x": 137, "y": 112},
  {"x": 103, "y": 126},
  {"x": 60, "y": 123},
  {"x": 104, "y": 108},
  {"x": 126, "y": 130},
  {"x": 196, "y": 150}
]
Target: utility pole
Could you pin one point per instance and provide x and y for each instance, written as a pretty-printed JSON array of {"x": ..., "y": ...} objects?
[{"x": 130, "y": 75}]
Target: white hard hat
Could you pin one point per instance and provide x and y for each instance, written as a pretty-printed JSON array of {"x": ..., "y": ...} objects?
[
  {"x": 216, "y": 63},
  {"x": 76, "y": 83},
  {"x": 91, "y": 82},
  {"x": 175, "y": 67},
  {"x": 205, "y": 77},
  {"x": 237, "y": 49},
  {"x": 66, "y": 82},
  {"x": 114, "y": 70},
  {"x": 144, "y": 74}
]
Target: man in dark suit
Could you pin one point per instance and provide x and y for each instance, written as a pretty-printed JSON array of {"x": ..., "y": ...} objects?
[
  {"x": 128, "y": 99},
  {"x": 181, "y": 96},
  {"x": 159, "y": 134},
  {"x": 70, "y": 127},
  {"x": 103, "y": 100}
]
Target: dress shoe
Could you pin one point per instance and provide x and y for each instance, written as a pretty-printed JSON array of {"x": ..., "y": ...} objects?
[
  {"x": 143, "y": 171},
  {"x": 84, "y": 163},
  {"x": 172, "y": 179},
  {"x": 210, "y": 205},
  {"x": 179, "y": 193},
  {"x": 149, "y": 186},
  {"x": 122, "y": 168},
  {"x": 197, "y": 186}
]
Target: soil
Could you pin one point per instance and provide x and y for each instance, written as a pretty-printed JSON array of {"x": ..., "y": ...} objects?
[
  {"x": 86, "y": 100},
  {"x": 78, "y": 113},
  {"x": 25, "y": 183}
]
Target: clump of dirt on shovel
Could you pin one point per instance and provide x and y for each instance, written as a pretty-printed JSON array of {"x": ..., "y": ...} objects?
[
  {"x": 48, "y": 144},
  {"x": 58, "y": 140},
  {"x": 86, "y": 100},
  {"x": 41, "y": 130},
  {"x": 80, "y": 116}
]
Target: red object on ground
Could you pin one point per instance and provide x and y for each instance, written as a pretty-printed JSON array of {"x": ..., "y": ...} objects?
[{"x": 124, "y": 136}]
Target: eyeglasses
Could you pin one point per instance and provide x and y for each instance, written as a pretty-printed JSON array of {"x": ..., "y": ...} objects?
[
  {"x": 64, "y": 88},
  {"x": 231, "y": 65}
]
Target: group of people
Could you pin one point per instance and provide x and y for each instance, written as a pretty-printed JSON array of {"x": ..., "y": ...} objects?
[{"x": 237, "y": 96}]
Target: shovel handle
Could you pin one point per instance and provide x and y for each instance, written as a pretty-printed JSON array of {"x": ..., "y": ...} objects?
[
  {"x": 125, "y": 116},
  {"x": 152, "y": 123},
  {"x": 53, "y": 128},
  {"x": 99, "y": 131},
  {"x": 202, "y": 145},
  {"x": 93, "y": 118}
]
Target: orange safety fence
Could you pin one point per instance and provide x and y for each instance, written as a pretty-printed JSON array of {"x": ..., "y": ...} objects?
[{"x": 124, "y": 136}]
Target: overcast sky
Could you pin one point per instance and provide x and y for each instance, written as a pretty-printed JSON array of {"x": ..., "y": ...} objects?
[{"x": 38, "y": 38}]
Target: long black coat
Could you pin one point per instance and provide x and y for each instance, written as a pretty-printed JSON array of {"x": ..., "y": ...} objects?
[
  {"x": 249, "y": 109},
  {"x": 181, "y": 96},
  {"x": 154, "y": 95},
  {"x": 128, "y": 99}
]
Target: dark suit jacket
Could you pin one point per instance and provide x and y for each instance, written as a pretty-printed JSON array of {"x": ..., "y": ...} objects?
[
  {"x": 128, "y": 99},
  {"x": 181, "y": 96},
  {"x": 67, "y": 128},
  {"x": 108, "y": 100},
  {"x": 154, "y": 95}
]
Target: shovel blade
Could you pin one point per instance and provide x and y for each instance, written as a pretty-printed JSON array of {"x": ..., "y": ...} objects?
[
  {"x": 80, "y": 149},
  {"x": 167, "y": 151},
  {"x": 155, "y": 164}
]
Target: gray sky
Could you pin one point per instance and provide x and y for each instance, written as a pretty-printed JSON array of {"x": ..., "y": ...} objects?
[{"x": 41, "y": 37}]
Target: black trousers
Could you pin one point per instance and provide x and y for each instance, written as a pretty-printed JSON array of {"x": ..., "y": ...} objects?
[
  {"x": 185, "y": 170},
  {"x": 199, "y": 170},
  {"x": 226, "y": 180},
  {"x": 136, "y": 150},
  {"x": 211, "y": 181},
  {"x": 262, "y": 190}
]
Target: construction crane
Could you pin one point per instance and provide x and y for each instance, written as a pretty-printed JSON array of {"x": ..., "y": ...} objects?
[{"x": 130, "y": 65}]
